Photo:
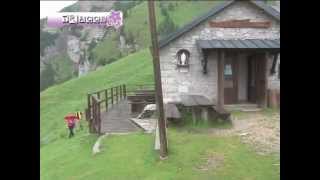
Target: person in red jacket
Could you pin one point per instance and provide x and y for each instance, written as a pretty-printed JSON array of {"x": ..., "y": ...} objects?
[{"x": 71, "y": 122}]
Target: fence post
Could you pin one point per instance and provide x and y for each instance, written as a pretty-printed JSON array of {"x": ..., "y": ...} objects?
[
  {"x": 93, "y": 116},
  {"x": 98, "y": 95},
  {"x": 124, "y": 91},
  {"x": 112, "y": 96},
  {"x": 89, "y": 106},
  {"x": 117, "y": 94},
  {"x": 106, "y": 94},
  {"x": 99, "y": 118},
  {"x": 120, "y": 91}
]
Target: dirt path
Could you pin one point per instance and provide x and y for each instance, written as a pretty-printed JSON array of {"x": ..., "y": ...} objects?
[{"x": 259, "y": 129}]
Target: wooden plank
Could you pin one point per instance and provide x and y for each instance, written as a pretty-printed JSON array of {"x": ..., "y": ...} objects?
[
  {"x": 202, "y": 100},
  {"x": 187, "y": 100}
]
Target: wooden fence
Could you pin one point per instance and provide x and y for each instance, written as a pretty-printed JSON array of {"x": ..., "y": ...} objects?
[{"x": 102, "y": 100}]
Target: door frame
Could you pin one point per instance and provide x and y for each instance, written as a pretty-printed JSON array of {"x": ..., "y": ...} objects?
[
  {"x": 259, "y": 92},
  {"x": 262, "y": 100},
  {"x": 232, "y": 57}
]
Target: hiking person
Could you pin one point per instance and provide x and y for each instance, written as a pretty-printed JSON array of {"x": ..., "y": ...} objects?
[{"x": 71, "y": 121}]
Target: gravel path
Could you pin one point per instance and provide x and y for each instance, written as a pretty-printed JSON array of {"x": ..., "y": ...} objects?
[{"x": 258, "y": 129}]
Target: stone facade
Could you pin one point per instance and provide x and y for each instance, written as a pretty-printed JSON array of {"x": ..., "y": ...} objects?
[{"x": 191, "y": 80}]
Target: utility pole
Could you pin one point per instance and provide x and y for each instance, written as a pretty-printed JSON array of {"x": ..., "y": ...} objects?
[{"x": 157, "y": 77}]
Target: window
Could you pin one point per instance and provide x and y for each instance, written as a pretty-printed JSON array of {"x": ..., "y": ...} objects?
[{"x": 228, "y": 71}]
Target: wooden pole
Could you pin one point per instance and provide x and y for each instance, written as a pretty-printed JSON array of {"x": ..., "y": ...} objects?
[
  {"x": 157, "y": 76},
  {"x": 124, "y": 91},
  {"x": 89, "y": 105},
  {"x": 117, "y": 94},
  {"x": 112, "y": 96},
  {"x": 221, "y": 60},
  {"x": 106, "y": 94}
]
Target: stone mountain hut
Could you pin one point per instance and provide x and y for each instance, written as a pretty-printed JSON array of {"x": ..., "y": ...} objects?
[{"x": 228, "y": 56}]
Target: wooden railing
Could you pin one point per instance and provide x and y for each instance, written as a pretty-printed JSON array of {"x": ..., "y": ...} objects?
[
  {"x": 102, "y": 100},
  {"x": 133, "y": 88}
]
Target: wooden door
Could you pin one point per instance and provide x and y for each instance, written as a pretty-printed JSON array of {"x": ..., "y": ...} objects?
[
  {"x": 257, "y": 79},
  {"x": 230, "y": 74},
  {"x": 252, "y": 73},
  {"x": 261, "y": 79}
]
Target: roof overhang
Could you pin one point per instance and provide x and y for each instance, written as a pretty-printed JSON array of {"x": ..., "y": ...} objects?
[{"x": 270, "y": 45}]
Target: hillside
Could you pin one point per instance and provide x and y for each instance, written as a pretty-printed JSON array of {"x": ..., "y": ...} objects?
[
  {"x": 199, "y": 151},
  {"x": 135, "y": 32},
  {"x": 114, "y": 44},
  {"x": 132, "y": 156},
  {"x": 57, "y": 101}
]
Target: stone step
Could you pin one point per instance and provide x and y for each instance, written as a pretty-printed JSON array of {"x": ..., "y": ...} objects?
[{"x": 242, "y": 107}]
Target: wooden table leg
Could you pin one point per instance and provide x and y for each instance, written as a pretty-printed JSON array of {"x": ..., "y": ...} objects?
[
  {"x": 204, "y": 114},
  {"x": 194, "y": 115}
]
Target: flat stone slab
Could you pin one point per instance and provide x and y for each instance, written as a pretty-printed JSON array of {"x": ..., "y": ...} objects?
[{"x": 148, "y": 125}]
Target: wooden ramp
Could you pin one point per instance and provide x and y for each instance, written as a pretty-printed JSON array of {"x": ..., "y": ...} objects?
[
  {"x": 109, "y": 110},
  {"x": 117, "y": 119}
]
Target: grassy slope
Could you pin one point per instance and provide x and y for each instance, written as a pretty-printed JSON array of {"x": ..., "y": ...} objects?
[
  {"x": 137, "y": 24},
  {"x": 58, "y": 100},
  {"x": 132, "y": 157}
]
